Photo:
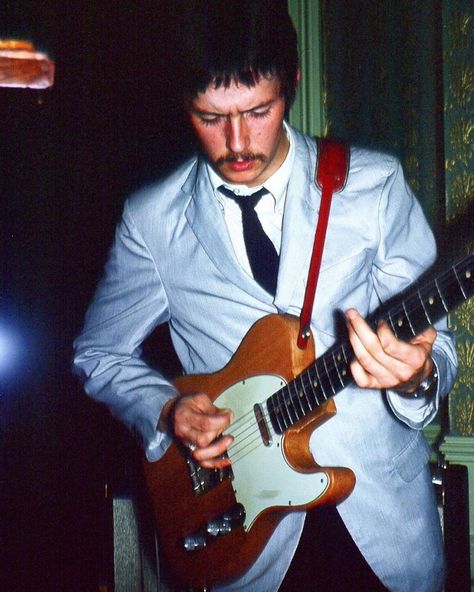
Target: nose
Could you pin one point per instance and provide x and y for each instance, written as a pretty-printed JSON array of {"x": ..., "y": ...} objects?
[{"x": 237, "y": 135}]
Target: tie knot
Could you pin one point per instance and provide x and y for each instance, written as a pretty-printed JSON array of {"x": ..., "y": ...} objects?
[{"x": 245, "y": 202}]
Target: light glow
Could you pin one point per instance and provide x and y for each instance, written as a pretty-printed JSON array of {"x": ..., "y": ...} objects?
[{"x": 9, "y": 349}]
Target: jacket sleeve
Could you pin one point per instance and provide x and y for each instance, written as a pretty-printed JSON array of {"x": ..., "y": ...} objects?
[
  {"x": 407, "y": 248},
  {"x": 123, "y": 312}
]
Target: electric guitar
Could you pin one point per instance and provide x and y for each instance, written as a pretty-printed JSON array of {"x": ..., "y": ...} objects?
[{"x": 212, "y": 524}]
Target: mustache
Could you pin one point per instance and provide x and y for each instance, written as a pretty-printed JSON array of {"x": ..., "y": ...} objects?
[{"x": 233, "y": 157}]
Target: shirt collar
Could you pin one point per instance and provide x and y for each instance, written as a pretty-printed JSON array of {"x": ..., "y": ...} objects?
[{"x": 276, "y": 184}]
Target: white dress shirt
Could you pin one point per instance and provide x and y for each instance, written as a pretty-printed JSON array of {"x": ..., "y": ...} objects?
[{"x": 269, "y": 209}]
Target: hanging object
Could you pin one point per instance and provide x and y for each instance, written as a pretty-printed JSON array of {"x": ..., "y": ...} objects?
[{"x": 21, "y": 66}]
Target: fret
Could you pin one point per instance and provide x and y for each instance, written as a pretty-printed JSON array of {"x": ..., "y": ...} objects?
[
  {"x": 408, "y": 318},
  {"x": 284, "y": 408},
  {"x": 432, "y": 300},
  {"x": 324, "y": 384},
  {"x": 441, "y": 296},
  {"x": 346, "y": 369},
  {"x": 347, "y": 358},
  {"x": 328, "y": 375},
  {"x": 292, "y": 400},
  {"x": 336, "y": 362},
  {"x": 415, "y": 313},
  {"x": 275, "y": 415},
  {"x": 389, "y": 320},
  {"x": 314, "y": 384},
  {"x": 298, "y": 395},
  {"x": 421, "y": 307},
  {"x": 333, "y": 364},
  {"x": 466, "y": 277},
  {"x": 303, "y": 396},
  {"x": 456, "y": 291},
  {"x": 427, "y": 316},
  {"x": 400, "y": 323},
  {"x": 459, "y": 282},
  {"x": 286, "y": 417}
]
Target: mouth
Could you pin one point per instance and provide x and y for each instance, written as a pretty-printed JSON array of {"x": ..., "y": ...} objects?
[{"x": 240, "y": 165}]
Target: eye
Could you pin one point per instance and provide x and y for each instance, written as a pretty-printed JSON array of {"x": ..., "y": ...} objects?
[
  {"x": 260, "y": 113},
  {"x": 210, "y": 119}
]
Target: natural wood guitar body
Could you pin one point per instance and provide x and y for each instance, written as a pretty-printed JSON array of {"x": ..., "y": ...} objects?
[
  {"x": 279, "y": 394},
  {"x": 268, "y": 349}
]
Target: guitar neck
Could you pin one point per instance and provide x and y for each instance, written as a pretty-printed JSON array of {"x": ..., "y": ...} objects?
[{"x": 408, "y": 315}]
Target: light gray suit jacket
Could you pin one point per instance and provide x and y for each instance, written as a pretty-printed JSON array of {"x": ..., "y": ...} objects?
[{"x": 172, "y": 261}]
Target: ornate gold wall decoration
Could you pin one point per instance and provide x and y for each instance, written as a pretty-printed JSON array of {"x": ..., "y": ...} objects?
[
  {"x": 458, "y": 18},
  {"x": 461, "y": 136},
  {"x": 464, "y": 422},
  {"x": 465, "y": 316},
  {"x": 462, "y": 84},
  {"x": 459, "y": 27},
  {"x": 463, "y": 404},
  {"x": 462, "y": 190}
]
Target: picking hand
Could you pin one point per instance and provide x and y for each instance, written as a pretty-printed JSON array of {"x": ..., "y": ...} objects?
[{"x": 198, "y": 423}]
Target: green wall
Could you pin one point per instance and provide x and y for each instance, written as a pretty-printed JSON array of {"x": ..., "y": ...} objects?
[{"x": 399, "y": 77}]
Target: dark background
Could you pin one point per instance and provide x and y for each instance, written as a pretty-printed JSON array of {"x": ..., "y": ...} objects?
[{"x": 68, "y": 158}]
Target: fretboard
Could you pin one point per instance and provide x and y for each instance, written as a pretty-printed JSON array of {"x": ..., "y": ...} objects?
[{"x": 408, "y": 315}]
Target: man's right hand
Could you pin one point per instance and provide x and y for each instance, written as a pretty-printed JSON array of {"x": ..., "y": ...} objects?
[{"x": 199, "y": 424}]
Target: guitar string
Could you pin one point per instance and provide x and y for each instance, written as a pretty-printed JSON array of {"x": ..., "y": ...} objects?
[
  {"x": 411, "y": 304},
  {"x": 405, "y": 308}
]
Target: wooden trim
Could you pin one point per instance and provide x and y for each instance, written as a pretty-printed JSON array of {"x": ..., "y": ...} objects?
[{"x": 460, "y": 450}]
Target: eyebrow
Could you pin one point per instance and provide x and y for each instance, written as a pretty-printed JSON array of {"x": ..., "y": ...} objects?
[{"x": 211, "y": 113}]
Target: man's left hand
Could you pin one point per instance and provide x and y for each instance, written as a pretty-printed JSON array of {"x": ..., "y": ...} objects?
[{"x": 384, "y": 362}]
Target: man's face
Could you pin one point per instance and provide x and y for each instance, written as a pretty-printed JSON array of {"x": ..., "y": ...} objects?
[{"x": 241, "y": 130}]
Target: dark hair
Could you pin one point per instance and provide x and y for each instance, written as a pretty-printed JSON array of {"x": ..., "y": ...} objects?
[{"x": 225, "y": 41}]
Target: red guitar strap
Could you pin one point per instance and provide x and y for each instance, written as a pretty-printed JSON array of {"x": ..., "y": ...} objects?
[{"x": 332, "y": 168}]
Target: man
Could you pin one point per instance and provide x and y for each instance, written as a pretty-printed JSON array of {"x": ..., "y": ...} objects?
[{"x": 180, "y": 257}]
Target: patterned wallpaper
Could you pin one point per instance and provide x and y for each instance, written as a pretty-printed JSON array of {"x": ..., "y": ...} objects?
[
  {"x": 399, "y": 76},
  {"x": 458, "y": 29}
]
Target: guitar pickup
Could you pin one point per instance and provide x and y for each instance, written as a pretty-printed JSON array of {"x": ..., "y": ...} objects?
[
  {"x": 262, "y": 425},
  {"x": 219, "y": 526}
]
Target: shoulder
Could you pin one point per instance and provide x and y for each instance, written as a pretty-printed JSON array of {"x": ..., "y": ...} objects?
[
  {"x": 372, "y": 164},
  {"x": 157, "y": 198},
  {"x": 367, "y": 166}
]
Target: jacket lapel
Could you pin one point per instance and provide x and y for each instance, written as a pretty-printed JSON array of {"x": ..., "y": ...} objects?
[
  {"x": 301, "y": 210},
  {"x": 299, "y": 220},
  {"x": 207, "y": 222}
]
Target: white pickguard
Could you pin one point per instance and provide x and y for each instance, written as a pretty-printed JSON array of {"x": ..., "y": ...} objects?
[{"x": 262, "y": 476}]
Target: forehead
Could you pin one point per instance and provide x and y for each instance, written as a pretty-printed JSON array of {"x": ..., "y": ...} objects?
[{"x": 237, "y": 97}]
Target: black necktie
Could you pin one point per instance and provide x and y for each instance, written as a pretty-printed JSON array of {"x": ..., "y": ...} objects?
[{"x": 261, "y": 253}]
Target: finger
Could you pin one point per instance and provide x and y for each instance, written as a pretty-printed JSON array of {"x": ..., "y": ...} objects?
[
  {"x": 382, "y": 361},
  {"x": 205, "y": 428},
  {"x": 213, "y": 456},
  {"x": 412, "y": 354},
  {"x": 427, "y": 337},
  {"x": 366, "y": 370},
  {"x": 361, "y": 377},
  {"x": 198, "y": 420}
]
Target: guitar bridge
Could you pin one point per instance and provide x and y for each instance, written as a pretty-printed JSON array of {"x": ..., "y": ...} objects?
[{"x": 203, "y": 480}]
